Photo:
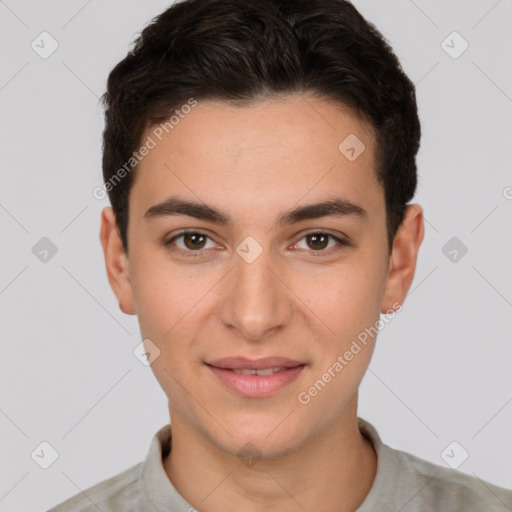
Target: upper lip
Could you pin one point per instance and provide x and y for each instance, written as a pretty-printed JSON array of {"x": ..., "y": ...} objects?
[{"x": 241, "y": 363}]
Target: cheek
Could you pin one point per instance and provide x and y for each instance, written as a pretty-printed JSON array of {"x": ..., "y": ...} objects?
[
  {"x": 342, "y": 353},
  {"x": 166, "y": 304},
  {"x": 173, "y": 304},
  {"x": 162, "y": 292},
  {"x": 346, "y": 300}
]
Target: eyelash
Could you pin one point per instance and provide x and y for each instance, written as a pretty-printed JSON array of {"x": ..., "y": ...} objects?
[{"x": 200, "y": 252}]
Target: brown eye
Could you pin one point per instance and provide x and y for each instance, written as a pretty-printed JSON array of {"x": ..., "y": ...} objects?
[
  {"x": 194, "y": 240},
  {"x": 192, "y": 243},
  {"x": 318, "y": 240}
]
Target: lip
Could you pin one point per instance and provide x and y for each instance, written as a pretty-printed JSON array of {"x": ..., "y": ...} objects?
[
  {"x": 256, "y": 386},
  {"x": 239, "y": 363}
]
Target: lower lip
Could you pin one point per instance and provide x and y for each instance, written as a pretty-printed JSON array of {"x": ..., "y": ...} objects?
[{"x": 254, "y": 385}]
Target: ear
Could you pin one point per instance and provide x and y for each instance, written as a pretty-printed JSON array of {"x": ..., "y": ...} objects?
[
  {"x": 402, "y": 263},
  {"x": 116, "y": 261}
]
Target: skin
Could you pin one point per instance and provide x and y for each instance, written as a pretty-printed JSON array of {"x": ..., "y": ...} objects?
[{"x": 295, "y": 300}]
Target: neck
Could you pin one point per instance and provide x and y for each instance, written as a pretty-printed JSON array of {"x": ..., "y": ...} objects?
[{"x": 334, "y": 471}]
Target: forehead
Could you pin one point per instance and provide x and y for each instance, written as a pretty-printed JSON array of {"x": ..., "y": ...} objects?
[{"x": 273, "y": 152}]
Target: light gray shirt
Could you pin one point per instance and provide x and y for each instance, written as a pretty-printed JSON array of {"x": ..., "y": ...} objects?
[{"x": 403, "y": 483}]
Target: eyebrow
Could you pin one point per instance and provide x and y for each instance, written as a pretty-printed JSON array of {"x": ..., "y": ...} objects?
[{"x": 333, "y": 207}]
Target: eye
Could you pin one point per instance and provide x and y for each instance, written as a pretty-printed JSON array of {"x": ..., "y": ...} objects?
[
  {"x": 319, "y": 241},
  {"x": 193, "y": 242}
]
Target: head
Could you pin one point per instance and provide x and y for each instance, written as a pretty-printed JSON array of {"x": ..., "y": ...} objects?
[{"x": 255, "y": 111}]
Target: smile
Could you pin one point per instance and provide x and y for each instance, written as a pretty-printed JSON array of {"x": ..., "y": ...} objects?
[{"x": 255, "y": 378}]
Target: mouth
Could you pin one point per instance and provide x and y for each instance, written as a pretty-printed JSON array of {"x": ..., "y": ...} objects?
[
  {"x": 264, "y": 371},
  {"x": 256, "y": 378}
]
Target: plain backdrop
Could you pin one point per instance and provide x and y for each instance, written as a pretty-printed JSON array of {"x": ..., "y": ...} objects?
[{"x": 441, "y": 371}]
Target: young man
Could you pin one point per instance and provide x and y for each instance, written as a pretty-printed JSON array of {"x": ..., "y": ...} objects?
[{"x": 259, "y": 157}]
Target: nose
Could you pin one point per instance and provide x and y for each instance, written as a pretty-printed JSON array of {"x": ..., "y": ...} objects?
[{"x": 257, "y": 301}]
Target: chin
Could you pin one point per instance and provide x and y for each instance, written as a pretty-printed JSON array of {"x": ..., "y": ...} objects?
[
  {"x": 267, "y": 438},
  {"x": 254, "y": 447}
]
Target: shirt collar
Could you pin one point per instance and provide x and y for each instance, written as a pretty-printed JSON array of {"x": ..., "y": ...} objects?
[
  {"x": 157, "y": 491},
  {"x": 388, "y": 469}
]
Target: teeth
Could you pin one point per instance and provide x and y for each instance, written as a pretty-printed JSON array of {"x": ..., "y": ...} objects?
[
  {"x": 264, "y": 371},
  {"x": 268, "y": 371},
  {"x": 245, "y": 372}
]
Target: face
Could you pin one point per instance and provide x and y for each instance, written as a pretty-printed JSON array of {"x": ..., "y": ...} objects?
[{"x": 260, "y": 280}]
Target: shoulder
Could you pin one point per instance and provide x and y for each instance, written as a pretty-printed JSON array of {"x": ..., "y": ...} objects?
[
  {"x": 409, "y": 483},
  {"x": 435, "y": 487},
  {"x": 118, "y": 493}
]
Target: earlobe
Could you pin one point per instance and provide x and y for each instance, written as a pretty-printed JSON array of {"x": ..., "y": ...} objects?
[
  {"x": 402, "y": 264},
  {"x": 116, "y": 261}
]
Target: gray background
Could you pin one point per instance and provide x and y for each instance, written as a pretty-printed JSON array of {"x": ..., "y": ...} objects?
[{"x": 442, "y": 368}]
